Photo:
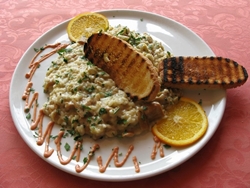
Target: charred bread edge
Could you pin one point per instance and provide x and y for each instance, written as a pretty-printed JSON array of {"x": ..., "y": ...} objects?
[
  {"x": 163, "y": 74},
  {"x": 153, "y": 70}
]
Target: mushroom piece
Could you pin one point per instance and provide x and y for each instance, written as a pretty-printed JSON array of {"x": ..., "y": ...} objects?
[{"x": 153, "y": 111}]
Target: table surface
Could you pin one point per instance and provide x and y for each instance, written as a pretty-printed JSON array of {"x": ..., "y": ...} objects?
[{"x": 223, "y": 24}]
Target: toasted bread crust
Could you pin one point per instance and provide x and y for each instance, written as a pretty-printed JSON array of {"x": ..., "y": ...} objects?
[
  {"x": 131, "y": 71},
  {"x": 201, "y": 72}
]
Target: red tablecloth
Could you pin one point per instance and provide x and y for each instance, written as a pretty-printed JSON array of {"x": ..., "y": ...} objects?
[{"x": 223, "y": 24}]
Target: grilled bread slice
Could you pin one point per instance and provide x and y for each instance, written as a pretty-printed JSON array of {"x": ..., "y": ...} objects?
[
  {"x": 201, "y": 72},
  {"x": 131, "y": 71}
]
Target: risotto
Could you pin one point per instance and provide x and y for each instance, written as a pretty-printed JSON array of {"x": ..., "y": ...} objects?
[{"x": 84, "y": 99}]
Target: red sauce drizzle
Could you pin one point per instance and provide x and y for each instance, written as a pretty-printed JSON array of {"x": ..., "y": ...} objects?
[
  {"x": 157, "y": 146},
  {"x": 116, "y": 161},
  {"x": 41, "y": 136},
  {"x": 34, "y": 65},
  {"x": 91, "y": 153},
  {"x": 39, "y": 52},
  {"x": 136, "y": 164},
  {"x": 47, "y": 152},
  {"x": 28, "y": 104},
  {"x": 27, "y": 92},
  {"x": 77, "y": 146},
  {"x": 26, "y": 95}
]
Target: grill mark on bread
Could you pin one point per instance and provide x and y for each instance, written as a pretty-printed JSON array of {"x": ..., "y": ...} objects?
[
  {"x": 130, "y": 70},
  {"x": 202, "y": 72}
]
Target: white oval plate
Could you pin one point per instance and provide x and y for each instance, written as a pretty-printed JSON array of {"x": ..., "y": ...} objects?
[{"x": 177, "y": 39}]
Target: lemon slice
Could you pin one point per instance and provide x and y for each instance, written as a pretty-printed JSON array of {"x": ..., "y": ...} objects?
[
  {"x": 85, "y": 24},
  {"x": 186, "y": 122}
]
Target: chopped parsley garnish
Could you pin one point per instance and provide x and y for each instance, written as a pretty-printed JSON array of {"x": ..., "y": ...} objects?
[
  {"x": 65, "y": 135},
  {"x": 90, "y": 89},
  {"x": 53, "y": 137},
  {"x": 67, "y": 146},
  {"x": 28, "y": 116},
  {"x": 89, "y": 63},
  {"x": 91, "y": 153},
  {"x": 39, "y": 49},
  {"x": 61, "y": 51},
  {"x": 36, "y": 50},
  {"x": 116, "y": 110},
  {"x": 122, "y": 31},
  {"x": 68, "y": 50},
  {"x": 169, "y": 54},
  {"x": 102, "y": 111},
  {"x": 80, "y": 81},
  {"x": 75, "y": 121},
  {"x": 36, "y": 135},
  {"x": 66, "y": 119},
  {"x": 85, "y": 160},
  {"x": 85, "y": 107},
  {"x": 101, "y": 73},
  {"x": 89, "y": 119},
  {"x": 200, "y": 102},
  {"x": 32, "y": 90},
  {"x": 64, "y": 50},
  {"x": 58, "y": 111},
  {"x": 75, "y": 89},
  {"x": 71, "y": 132},
  {"x": 108, "y": 94},
  {"x": 121, "y": 121},
  {"x": 85, "y": 77},
  {"x": 134, "y": 41},
  {"x": 65, "y": 60},
  {"x": 78, "y": 138},
  {"x": 53, "y": 63},
  {"x": 166, "y": 146}
]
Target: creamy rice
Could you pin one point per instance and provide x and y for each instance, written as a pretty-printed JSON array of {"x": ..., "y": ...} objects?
[
  {"x": 83, "y": 98},
  {"x": 143, "y": 43}
]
